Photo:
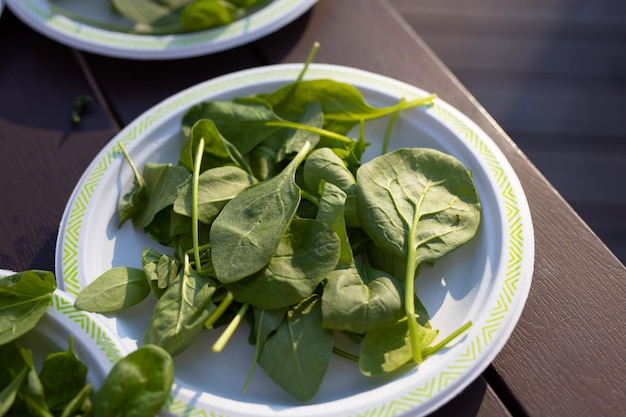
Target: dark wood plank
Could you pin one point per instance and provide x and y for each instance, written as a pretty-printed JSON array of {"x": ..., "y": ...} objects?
[
  {"x": 132, "y": 87},
  {"x": 42, "y": 154}
]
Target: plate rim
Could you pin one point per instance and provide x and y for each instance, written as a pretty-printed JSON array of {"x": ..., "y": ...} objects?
[
  {"x": 270, "y": 18},
  {"x": 519, "y": 239}
]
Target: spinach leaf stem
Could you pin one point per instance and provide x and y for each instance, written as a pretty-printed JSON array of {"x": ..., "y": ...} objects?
[
  {"x": 409, "y": 286},
  {"x": 194, "y": 204},
  {"x": 131, "y": 164},
  {"x": 228, "y": 299},
  {"x": 392, "y": 122},
  {"x": 312, "y": 129},
  {"x": 308, "y": 61},
  {"x": 434, "y": 349},
  {"x": 311, "y": 197},
  {"x": 230, "y": 329}
]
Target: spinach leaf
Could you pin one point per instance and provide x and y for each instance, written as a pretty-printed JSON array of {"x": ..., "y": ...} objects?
[
  {"x": 135, "y": 200},
  {"x": 248, "y": 122},
  {"x": 116, "y": 289},
  {"x": 207, "y": 14},
  {"x": 153, "y": 15},
  {"x": 217, "y": 186},
  {"x": 180, "y": 313},
  {"x": 387, "y": 347},
  {"x": 418, "y": 204},
  {"x": 14, "y": 369},
  {"x": 342, "y": 104},
  {"x": 137, "y": 386},
  {"x": 24, "y": 299},
  {"x": 295, "y": 139},
  {"x": 162, "y": 183},
  {"x": 305, "y": 255},
  {"x": 357, "y": 299},
  {"x": 218, "y": 151},
  {"x": 331, "y": 213},
  {"x": 80, "y": 405},
  {"x": 63, "y": 377},
  {"x": 296, "y": 356},
  {"x": 246, "y": 233},
  {"x": 160, "y": 270},
  {"x": 324, "y": 165},
  {"x": 421, "y": 194},
  {"x": 10, "y": 390},
  {"x": 265, "y": 324},
  {"x": 30, "y": 399},
  {"x": 244, "y": 123}
]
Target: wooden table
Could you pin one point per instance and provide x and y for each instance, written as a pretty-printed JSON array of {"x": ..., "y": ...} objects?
[{"x": 566, "y": 357}]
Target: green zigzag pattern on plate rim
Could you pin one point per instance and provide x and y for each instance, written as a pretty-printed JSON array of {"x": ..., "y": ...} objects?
[
  {"x": 91, "y": 329},
  {"x": 497, "y": 313},
  {"x": 121, "y": 40}
]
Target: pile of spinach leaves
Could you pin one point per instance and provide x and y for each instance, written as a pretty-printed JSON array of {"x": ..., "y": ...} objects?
[
  {"x": 137, "y": 385},
  {"x": 161, "y": 17},
  {"x": 272, "y": 218}
]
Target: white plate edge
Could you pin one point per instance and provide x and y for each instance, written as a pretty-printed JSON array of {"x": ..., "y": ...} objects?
[{"x": 84, "y": 37}]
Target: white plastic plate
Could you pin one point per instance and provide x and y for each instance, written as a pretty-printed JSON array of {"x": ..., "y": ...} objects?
[
  {"x": 486, "y": 281},
  {"x": 37, "y": 14}
]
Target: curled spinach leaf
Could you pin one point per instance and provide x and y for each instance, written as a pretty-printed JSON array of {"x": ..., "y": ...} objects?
[
  {"x": 357, "y": 299},
  {"x": 137, "y": 386},
  {"x": 24, "y": 299}
]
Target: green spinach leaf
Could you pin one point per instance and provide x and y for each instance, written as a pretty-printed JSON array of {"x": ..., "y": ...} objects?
[
  {"x": 180, "y": 313},
  {"x": 24, "y": 299},
  {"x": 207, "y": 14},
  {"x": 246, "y": 233},
  {"x": 357, "y": 299},
  {"x": 115, "y": 289},
  {"x": 137, "y": 386},
  {"x": 296, "y": 356},
  {"x": 217, "y": 186},
  {"x": 387, "y": 348},
  {"x": 342, "y": 104},
  {"x": 162, "y": 183},
  {"x": 63, "y": 376},
  {"x": 418, "y": 204},
  {"x": 306, "y": 254}
]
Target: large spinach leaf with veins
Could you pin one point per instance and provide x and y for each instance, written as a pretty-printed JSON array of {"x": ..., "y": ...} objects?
[
  {"x": 343, "y": 104},
  {"x": 180, "y": 313},
  {"x": 306, "y": 254},
  {"x": 296, "y": 356},
  {"x": 418, "y": 204},
  {"x": 246, "y": 233},
  {"x": 357, "y": 299}
]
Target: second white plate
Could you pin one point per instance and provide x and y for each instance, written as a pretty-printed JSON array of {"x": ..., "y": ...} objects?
[
  {"x": 486, "y": 281},
  {"x": 37, "y": 14}
]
